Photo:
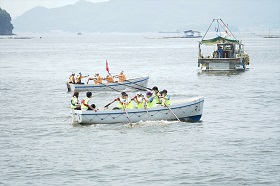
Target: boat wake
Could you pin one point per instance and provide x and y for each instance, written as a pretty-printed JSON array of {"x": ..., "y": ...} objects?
[{"x": 120, "y": 126}]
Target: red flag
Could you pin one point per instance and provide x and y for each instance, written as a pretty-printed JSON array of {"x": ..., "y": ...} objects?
[{"x": 107, "y": 67}]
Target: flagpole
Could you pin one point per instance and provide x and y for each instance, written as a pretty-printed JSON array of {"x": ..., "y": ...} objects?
[{"x": 107, "y": 67}]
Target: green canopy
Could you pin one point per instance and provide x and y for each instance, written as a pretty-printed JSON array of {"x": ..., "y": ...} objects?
[{"x": 217, "y": 40}]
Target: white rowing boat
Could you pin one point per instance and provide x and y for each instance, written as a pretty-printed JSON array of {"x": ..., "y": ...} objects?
[
  {"x": 139, "y": 83},
  {"x": 186, "y": 110}
]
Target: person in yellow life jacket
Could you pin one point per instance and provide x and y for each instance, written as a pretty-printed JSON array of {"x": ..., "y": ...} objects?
[
  {"x": 139, "y": 100},
  {"x": 121, "y": 77},
  {"x": 72, "y": 78},
  {"x": 75, "y": 101},
  {"x": 87, "y": 103},
  {"x": 165, "y": 98},
  {"x": 79, "y": 78},
  {"x": 149, "y": 100},
  {"x": 123, "y": 102},
  {"x": 156, "y": 96},
  {"x": 109, "y": 78}
]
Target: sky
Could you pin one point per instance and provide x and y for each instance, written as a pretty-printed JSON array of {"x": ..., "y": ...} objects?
[
  {"x": 17, "y": 7},
  {"x": 257, "y": 10}
]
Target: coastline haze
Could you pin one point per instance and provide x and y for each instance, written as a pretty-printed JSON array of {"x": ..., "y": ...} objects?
[{"x": 143, "y": 16}]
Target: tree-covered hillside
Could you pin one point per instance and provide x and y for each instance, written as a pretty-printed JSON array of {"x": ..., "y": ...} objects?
[{"x": 6, "y": 27}]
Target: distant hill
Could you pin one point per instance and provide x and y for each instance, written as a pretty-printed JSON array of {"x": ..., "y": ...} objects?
[
  {"x": 145, "y": 16},
  {"x": 6, "y": 28}
]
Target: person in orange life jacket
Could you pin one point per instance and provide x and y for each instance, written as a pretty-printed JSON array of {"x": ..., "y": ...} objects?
[
  {"x": 156, "y": 95},
  {"x": 87, "y": 103},
  {"x": 79, "y": 78},
  {"x": 139, "y": 100},
  {"x": 165, "y": 98},
  {"x": 72, "y": 78},
  {"x": 123, "y": 102},
  {"x": 121, "y": 77},
  {"x": 96, "y": 79},
  {"x": 75, "y": 101},
  {"x": 109, "y": 78}
]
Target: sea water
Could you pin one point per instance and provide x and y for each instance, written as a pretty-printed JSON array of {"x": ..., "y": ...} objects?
[{"x": 237, "y": 141}]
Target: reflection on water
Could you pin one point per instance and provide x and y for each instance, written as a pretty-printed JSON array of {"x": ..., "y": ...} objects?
[{"x": 220, "y": 73}]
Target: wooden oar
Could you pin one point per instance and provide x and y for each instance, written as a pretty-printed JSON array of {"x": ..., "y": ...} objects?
[
  {"x": 106, "y": 106},
  {"x": 133, "y": 87},
  {"x": 149, "y": 115},
  {"x": 130, "y": 124},
  {"x": 68, "y": 87},
  {"x": 172, "y": 112},
  {"x": 146, "y": 88},
  {"x": 110, "y": 87}
]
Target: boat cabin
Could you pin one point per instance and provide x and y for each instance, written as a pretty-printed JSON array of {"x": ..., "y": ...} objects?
[
  {"x": 224, "y": 51},
  {"x": 227, "y": 50}
]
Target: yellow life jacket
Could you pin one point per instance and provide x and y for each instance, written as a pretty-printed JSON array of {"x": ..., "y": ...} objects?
[
  {"x": 85, "y": 103},
  {"x": 165, "y": 101},
  {"x": 150, "y": 104},
  {"x": 156, "y": 100},
  {"x": 129, "y": 105},
  {"x": 74, "y": 100},
  {"x": 123, "y": 102},
  {"x": 140, "y": 104}
]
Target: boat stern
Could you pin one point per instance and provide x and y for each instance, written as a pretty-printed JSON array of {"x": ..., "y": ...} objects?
[
  {"x": 195, "y": 118},
  {"x": 212, "y": 64}
]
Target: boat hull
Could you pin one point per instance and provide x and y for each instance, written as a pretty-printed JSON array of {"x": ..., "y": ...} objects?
[
  {"x": 136, "y": 83},
  {"x": 187, "y": 110},
  {"x": 221, "y": 64}
]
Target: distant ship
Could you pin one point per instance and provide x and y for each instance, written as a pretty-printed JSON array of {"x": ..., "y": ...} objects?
[
  {"x": 186, "y": 34},
  {"x": 271, "y": 36},
  {"x": 192, "y": 34}
]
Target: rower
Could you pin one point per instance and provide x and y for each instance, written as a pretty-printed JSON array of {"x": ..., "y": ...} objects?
[
  {"x": 149, "y": 100},
  {"x": 79, "y": 78},
  {"x": 156, "y": 96},
  {"x": 96, "y": 79},
  {"x": 87, "y": 103},
  {"x": 75, "y": 101},
  {"x": 123, "y": 102},
  {"x": 121, "y": 77},
  {"x": 165, "y": 98},
  {"x": 139, "y": 100},
  {"x": 109, "y": 78},
  {"x": 72, "y": 78}
]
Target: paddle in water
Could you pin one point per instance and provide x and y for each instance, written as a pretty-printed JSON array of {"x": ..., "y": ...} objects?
[
  {"x": 130, "y": 124},
  {"x": 146, "y": 88},
  {"x": 172, "y": 112}
]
